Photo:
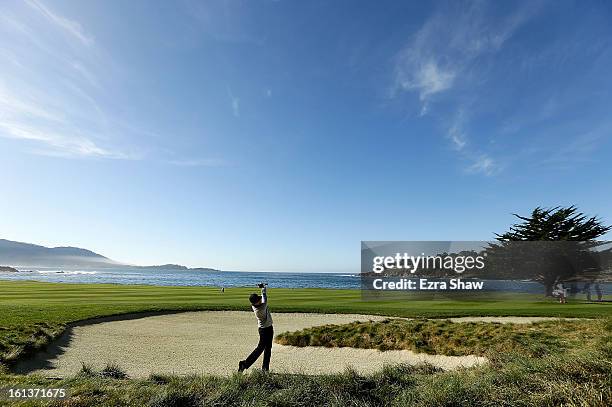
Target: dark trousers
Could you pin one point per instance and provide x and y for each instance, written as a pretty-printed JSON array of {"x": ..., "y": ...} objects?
[{"x": 265, "y": 345}]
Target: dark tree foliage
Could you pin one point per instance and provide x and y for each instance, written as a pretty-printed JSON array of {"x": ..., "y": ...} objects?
[
  {"x": 562, "y": 247},
  {"x": 555, "y": 224}
]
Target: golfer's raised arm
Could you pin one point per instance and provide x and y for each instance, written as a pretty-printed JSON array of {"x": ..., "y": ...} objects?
[{"x": 264, "y": 295}]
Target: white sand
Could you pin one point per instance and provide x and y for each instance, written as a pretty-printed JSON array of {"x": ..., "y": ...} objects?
[{"x": 212, "y": 342}]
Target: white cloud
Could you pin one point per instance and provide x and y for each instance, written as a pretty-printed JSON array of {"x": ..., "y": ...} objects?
[
  {"x": 445, "y": 54},
  {"x": 236, "y": 107},
  {"x": 58, "y": 144},
  {"x": 11, "y": 58},
  {"x": 579, "y": 147},
  {"x": 234, "y": 102},
  {"x": 51, "y": 132},
  {"x": 428, "y": 79},
  {"x": 431, "y": 79},
  {"x": 49, "y": 120},
  {"x": 435, "y": 57},
  {"x": 11, "y": 106},
  {"x": 477, "y": 161},
  {"x": 85, "y": 73},
  {"x": 201, "y": 162},
  {"x": 53, "y": 105},
  {"x": 226, "y": 21},
  {"x": 484, "y": 165},
  {"x": 54, "y": 94},
  {"x": 71, "y": 27},
  {"x": 456, "y": 133}
]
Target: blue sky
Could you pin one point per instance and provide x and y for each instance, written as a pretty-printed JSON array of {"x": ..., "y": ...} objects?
[{"x": 276, "y": 135}]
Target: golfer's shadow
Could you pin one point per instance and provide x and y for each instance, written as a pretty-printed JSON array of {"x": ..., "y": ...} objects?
[{"x": 43, "y": 358}]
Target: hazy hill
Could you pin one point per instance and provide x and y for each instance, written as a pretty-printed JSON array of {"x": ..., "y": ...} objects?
[
  {"x": 24, "y": 255},
  {"x": 19, "y": 254}
]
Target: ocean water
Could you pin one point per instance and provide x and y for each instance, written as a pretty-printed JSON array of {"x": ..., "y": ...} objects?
[
  {"x": 241, "y": 279},
  {"x": 190, "y": 278}
]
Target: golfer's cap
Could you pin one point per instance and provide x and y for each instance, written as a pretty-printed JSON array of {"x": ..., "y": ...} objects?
[{"x": 254, "y": 298}]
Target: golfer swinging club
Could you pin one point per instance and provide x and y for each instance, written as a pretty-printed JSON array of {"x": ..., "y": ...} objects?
[{"x": 259, "y": 303}]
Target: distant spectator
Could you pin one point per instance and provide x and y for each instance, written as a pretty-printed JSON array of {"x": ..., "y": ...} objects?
[
  {"x": 599, "y": 291},
  {"x": 587, "y": 290},
  {"x": 561, "y": 292}
]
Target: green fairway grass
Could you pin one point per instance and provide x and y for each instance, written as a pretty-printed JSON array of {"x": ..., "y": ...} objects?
[{"x": 33, "y": 313}]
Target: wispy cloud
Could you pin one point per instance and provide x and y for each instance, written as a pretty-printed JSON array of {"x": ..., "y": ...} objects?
[
  {"x": 484, "y": 164},
  {"x": 443, "y": 56},
  {"x": 49, "y": 131},
  {"x": 581, "y": 148},
  {"x": 428, "y": 79},
  {"x": 234, "y": 102},
  {"x": 226, "y": 21},
  {"x": 52, "y": 89},
  {"x": 17, "y": 108},
  {"x": 47, "y": 122},
  {"x": 201, "y": 162},
  {"x": 456, "y": 132},
  {"x": 59, "y": 144},
  {"x": 476, "y": 161},
  {"x": 10, "y": 57},
  {"x": 85, "y": 73},
  {"x": 438, "y": 54},
  {"x": 71, "y": 27}
]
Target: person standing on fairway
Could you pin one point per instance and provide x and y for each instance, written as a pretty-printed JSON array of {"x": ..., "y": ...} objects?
[{"x": 259, "y": 304}]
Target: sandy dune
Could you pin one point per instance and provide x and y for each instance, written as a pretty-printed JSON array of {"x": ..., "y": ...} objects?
[{"x": 213, "y": 342}]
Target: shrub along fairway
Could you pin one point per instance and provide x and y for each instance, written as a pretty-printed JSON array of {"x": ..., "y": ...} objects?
[{"x": 33, "y": 313}]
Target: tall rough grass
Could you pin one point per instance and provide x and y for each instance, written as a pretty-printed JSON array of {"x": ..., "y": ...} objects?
[
  {"x": 444, "y": 337},
  {"x": 581, "y": 379}
]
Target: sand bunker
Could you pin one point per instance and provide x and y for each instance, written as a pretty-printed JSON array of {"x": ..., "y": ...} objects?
[{"x": 212, "y": 342}]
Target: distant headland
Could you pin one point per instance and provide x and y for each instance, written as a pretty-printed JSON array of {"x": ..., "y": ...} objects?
[{"x": 18, "y": 255}]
